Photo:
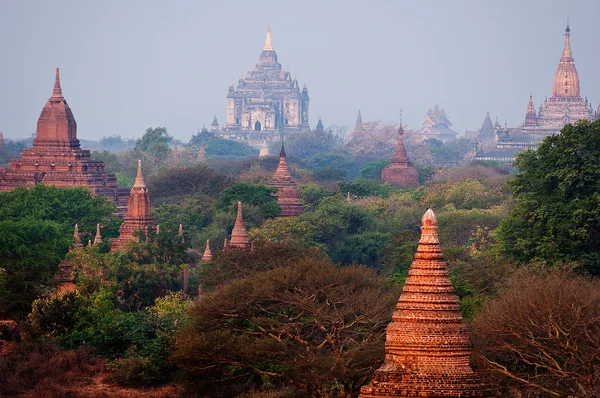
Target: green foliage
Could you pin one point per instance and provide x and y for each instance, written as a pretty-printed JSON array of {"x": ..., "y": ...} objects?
[
  {"x": 289, "y": 230},
  {"x": 257, "y": 195},
  {"x": 557, "y": 213},
  {"x": 35, "y": 233},
  {"x": 372, "y": 170},
  {"x": 219, "y": 147},
  {"x": 54, "y": 316},
  {"x": 330, "y": 174},
  {"x": 366, "y": 188},
  {"x": 183, "y": 181},
  {"x": 155, "y": 142},
  {"x": 312, "y": 194},
  {"x": 308, "y": 144}
]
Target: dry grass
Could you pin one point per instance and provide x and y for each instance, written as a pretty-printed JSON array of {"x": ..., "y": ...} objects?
[{"x": 40, "y": 369}]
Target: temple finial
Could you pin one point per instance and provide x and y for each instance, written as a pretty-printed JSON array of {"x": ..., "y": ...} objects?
[
  {"x": 567, "y": 55},
  {"x": 57, "y": 92},
  {"x": 139, "y": 179},
  {"x": 77, "y": 237},
  {"x": 268, "y": 44}
]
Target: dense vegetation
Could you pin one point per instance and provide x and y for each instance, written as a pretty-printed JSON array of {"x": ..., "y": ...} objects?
[{"x": 304, "y": 313}]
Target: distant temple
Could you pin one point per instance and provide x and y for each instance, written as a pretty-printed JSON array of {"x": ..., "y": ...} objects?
[
  {"x": 427, "y": 346},
  {"x": 399, "y": 172},
  {"x": 566, "y": 106},
  {"x": 435, "y": 125},
  {"x": 287, "y": 191},
  {"x": 266, "y": 101},
  {"x": 139, "y": 213},
  {"x": 57, "y": 158}
]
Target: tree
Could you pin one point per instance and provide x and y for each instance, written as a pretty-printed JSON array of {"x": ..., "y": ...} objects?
[
  {"x": 154, "y": 146},
  {"x": 557, "y": 191},
  {"x": 542, "y": 335},
  {"x": 375, "y": 141},
  {"x": 310, "y": 325},
  {"x": 258, "y": 195},
  {"x": 35, "y": 233},
  {"x": 186, "y": 181},
  {"x": 373, "y": 170}
]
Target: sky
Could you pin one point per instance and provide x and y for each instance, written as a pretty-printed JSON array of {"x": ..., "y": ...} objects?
[{"x": 129, "y": 65}]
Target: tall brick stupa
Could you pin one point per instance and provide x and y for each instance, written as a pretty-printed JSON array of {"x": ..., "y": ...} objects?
[
  {"x": 427, "y": 348},
  {"x": 399, "y": 172},
  {"x": 139, "y": 213},
  {"x": 287, "y": 191},
  {"x": 56, "y": 157},
  {"x": 239, "y": 235}
]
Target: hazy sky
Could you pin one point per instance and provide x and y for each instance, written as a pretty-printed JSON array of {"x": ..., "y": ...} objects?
[{"x": 131, "y": 64}]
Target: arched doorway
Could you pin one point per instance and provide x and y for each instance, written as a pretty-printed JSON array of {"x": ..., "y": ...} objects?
[{"x": 257, "y": 126}]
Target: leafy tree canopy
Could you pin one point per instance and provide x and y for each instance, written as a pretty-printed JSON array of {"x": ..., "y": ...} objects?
[{"x": 557, "y": 192}]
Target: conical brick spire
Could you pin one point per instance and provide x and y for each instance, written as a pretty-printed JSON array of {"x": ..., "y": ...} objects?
[
  {"x": 239, "y": 235},
  {"x": 348, "y": 198},
  {"x": 139, "y": 213},
  {"x": 225, "y": 243},
  {"x": 207, "y": 256},
  {"x": 287, "y": 191},
  {"x": 399, "y": 172},
  {"x": 57, "y": 92},
  {"x": 180, "y": 233},
  {"x": 77, "y": 236},
  {"x": 427, "y": 348},
  {"x": 98, "y": 237},
  {"x": 264, "y": 150}
]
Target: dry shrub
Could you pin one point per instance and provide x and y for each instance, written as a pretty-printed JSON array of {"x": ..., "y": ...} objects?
[
  {"x": 473, "y": 172},
  {"x": 542, "y": 336},
  {"x": 40, "y": 368}
]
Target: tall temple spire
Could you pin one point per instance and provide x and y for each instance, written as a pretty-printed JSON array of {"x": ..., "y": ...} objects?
[
  {"x": 57, "y": 92},
  {"x": 207, "y": 256},
  {"x": 139, "y": 179},
  {"x": 239, "y": 235},
  {"x": 139, "y": 213},
  {"x": 399, "y": 172},
  {"x": 268, "y": 44},
  {"x": 77, "y": 236},
  {"x": 567, "y": 55},
  {"x": 427, "y": 348},
  {"x": 98, "y": 237},
  {"x": 359, "y": 122},
  {"x": 288, "y": 198},
  {"x": 566, "y": 78}
]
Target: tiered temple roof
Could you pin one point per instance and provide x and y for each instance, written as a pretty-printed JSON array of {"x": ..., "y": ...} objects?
[
  {"x": 399, "y": 172},
  {"x": 139, "y": 213},
  {"x": 435, "y": 125},
  {"x": 56, "y": 157},
  {"x": 266, "y": 100},
  {"x": 427, "y": 348},
  {"x": 287, "y": 191},
  {"x": 239, "y": 235}
]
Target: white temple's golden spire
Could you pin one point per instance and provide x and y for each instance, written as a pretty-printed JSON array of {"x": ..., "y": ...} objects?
[
  {"x": 268, "y": 45},
  {"x": 567, "y": 55}
]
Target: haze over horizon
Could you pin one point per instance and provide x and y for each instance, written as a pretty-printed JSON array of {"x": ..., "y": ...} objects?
[{"x": 127, "y": 66}]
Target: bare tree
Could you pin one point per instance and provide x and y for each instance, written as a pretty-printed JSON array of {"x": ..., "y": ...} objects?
[{"x": 542, "y": 335}]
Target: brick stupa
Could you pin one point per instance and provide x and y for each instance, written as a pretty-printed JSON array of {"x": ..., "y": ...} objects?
[
  {"x": 56, "y": 157},
  {"x": 287, "y": 191},
  {"x": 427, "y": 348},
  {"x": 207, "y": 256},
  {"x": 139, "y": 213},
  {"x": 399, "y": 172},
  {"x": 239, "y": 235}
]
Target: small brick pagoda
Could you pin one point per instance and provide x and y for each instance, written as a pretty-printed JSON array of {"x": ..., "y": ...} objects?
[
  {"x": 399, "y": 172},
  {"x": 427, "y": 348},
  {"x": 287, "y": 191},
  {"x": 239, "y": 235},
  {"x": 139, "y": 213},
  {"x": 57, "y": 158}
]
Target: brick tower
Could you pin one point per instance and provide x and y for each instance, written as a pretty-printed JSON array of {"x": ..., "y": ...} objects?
[
  {"x": 399, "y": 172},
  {"x": 57, "y": 158},
  {"x": 239, "y": 235},
  {"x": 207, "y": 256},
  {"x": 427, "y": 348},
  {"x": 139, "y": 212},
  {"x": 287, "y": 191}
]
